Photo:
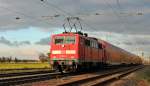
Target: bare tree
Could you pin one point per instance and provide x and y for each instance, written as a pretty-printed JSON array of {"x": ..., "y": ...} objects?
[
  {"x": 16, "y": 60},
  {"x": 3, "y": 59},
  {"x": 9, "y": 59},
  {"x": 42, "y": 57}
]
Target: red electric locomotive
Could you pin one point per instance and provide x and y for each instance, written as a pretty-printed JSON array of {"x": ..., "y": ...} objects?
[{"x": 69, "y": 48}]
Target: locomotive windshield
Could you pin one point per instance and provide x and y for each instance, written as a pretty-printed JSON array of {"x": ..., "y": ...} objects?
[
  {"x": 64, "y": 40},
  {"x": 59, "y": 40},
  {"x": 70, "y": 39}
]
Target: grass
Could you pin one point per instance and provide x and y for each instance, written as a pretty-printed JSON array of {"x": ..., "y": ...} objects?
[
  {"x": 144, "y": 74},
  {"x": 23, "y": 65},
  {"x": 29, "y": 66}
]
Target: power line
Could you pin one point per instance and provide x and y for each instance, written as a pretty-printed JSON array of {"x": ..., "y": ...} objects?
[
  {"x": 119, "y": 17},
  {"x": 118, "y": 3},
  {"x": 23, "y": 14},
  {"x": 60, "y": 9},
  {"x": 69, "y": 14},
  {"x": 64, "y": 11},
  {"x": 55, "y": 6}
]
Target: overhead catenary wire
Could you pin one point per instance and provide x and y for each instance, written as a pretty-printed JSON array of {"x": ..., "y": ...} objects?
[
  {"x": 136, "y": 46},
  {"x": 116, "y": 13},
  {"x": 123, "y": 22},
  {"x": 69, "y": 14},
  {"x": 65, "y": 12},
  {"x": 58, "y": 8},
  {"x": 32, "y": 18},
  {"x": 62, "y": 10},
  {"x": 118, "y": 3}
]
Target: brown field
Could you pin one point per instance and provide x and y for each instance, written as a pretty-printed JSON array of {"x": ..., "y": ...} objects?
[
  {"x": 139, "y": 78},
  {"x": 144, "y": 74}
]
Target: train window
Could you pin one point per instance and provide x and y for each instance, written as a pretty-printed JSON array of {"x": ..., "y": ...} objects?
[
  {"x": 81, "y": 41},
  {"x": 100, "y": 46},
  {"x": 59, "y": 40},
  {"x": 91, "y": 43},
  {"x": 87, "y": 42},
  {"x": 70, "y": 40},
  {"x": 96, "y": 45}
]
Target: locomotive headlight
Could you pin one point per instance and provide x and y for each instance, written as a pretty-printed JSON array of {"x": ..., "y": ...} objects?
[
  {"x": 56, "y": 52},
  {"x": 70, "y": 52}
]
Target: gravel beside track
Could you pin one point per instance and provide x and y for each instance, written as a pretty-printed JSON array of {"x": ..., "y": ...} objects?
[{"x": 100, "y": 79}]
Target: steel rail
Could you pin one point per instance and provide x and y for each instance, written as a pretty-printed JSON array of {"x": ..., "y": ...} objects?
[
  {"x": 86, "y": 80},
  {"x": 2, "y": 75},
  {"x": 116, "y": 77},
  {"x": 16, "y": 79},
  {"x": 31, "y": 77}
]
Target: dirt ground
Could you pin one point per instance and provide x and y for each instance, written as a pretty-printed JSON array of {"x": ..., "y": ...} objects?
[{"x": 139, "y": 78}]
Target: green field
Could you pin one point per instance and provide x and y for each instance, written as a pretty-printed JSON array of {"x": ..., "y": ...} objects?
[{"x": 23, "y": 65}]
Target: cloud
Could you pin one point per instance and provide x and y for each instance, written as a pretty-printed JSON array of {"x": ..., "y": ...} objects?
[
  {"x": 3, "y": 40},
  {"x": 128, "y": 29},
  {"x": 24, "y": 52},
  {"x": 44, "y": 41},
  {"x": 31, "y": 12}
]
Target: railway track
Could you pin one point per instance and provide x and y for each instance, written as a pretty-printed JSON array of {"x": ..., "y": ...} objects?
[
  {"x": 100, "y": 79},
  {"x": 21, "y": 78},
  {"x": 29, "y": 77},
  {"x": 2, "y": 75},
  {"x": 23, "y": 69},
  {"x": 25, "y": 77}
]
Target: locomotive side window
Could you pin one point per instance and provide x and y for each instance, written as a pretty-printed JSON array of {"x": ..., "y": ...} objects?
[
  {"x": 70, "y": 39},
  {"x": 92, "y": 45},
  {"x": 81, "y": 41},
  {"x": 100, "y": 46},
  {"x": 59, "y": 40},
  {"x": 96, "y": 45},
  {"x": 87, "y": 42}
]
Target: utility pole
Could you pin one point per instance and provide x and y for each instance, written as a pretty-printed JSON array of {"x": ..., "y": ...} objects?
[{"x": 142, "y": 54}]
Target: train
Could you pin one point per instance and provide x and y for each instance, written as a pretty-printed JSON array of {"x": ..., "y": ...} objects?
[{"x": 76, "y": 50}]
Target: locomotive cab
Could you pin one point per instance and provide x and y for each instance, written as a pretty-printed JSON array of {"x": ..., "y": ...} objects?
[{"x": 64, "y": 49}]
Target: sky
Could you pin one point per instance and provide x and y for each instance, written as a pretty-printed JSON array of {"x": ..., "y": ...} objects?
[{"x": 26, "y": 25}]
